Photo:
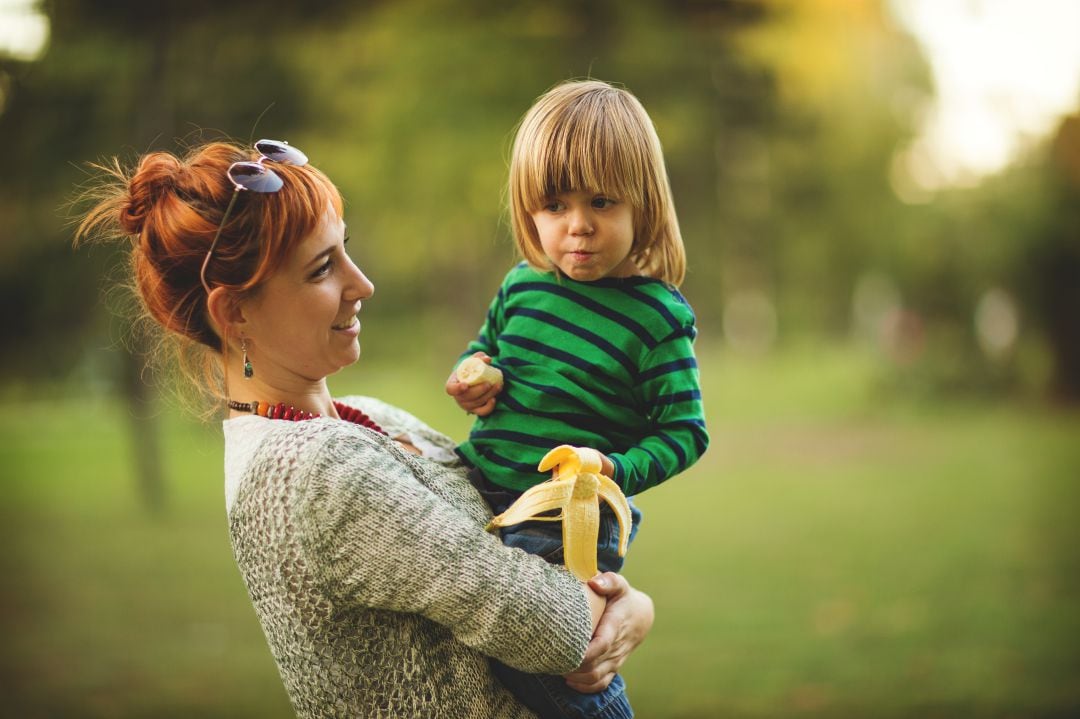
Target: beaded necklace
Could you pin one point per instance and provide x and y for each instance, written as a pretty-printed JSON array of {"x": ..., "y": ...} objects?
[{"x": 290, "y": 413}]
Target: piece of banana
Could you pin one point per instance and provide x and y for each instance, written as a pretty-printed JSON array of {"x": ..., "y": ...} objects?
[
  {"x": 575, "y": 488},
  {"x": 473, "y": 370}
]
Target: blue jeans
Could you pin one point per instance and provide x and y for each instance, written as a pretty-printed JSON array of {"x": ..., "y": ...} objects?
[{"x": 546, "y": 694}]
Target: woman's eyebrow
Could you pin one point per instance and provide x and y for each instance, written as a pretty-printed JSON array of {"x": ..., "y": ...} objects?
[{"x": 320, "y": 256}]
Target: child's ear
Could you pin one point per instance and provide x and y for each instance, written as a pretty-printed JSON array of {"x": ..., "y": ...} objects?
[{"x": 226, "y": 311}]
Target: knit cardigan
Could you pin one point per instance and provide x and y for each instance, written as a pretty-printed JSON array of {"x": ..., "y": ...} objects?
[{"x": 378, "y": 591}]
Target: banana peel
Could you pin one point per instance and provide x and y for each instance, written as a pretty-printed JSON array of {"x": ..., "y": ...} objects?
[{"x": 575, "y": 489}]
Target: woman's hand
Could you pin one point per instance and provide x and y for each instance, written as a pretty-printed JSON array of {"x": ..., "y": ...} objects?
[
  {"x": 478, "y": 399},
  {"x": 626, "y": 620}
]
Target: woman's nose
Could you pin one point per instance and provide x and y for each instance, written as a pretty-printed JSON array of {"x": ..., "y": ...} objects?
[{"x": 359, "y": 287}]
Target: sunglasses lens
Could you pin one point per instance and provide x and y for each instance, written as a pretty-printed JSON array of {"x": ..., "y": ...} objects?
[
  {"x": 280, "y": 151},
  {"x": 253, "y": 176}
]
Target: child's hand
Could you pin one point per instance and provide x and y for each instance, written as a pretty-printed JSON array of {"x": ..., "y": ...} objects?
[
  {"x": 607, "y": 467},
  {"x": 478, "y": 399}
]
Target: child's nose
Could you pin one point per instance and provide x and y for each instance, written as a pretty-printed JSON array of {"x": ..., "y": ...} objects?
[{"x": 580, "y": 222}]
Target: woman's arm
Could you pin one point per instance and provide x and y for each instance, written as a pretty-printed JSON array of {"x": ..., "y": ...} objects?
[
  {"x": 380, "y": 538},
  {"x": 628, "y": 617},
  {"x": 632, "y": 611}
]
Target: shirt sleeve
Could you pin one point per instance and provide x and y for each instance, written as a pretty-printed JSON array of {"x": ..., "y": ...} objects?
[
  {"x": 487, "y": 339},
  {"x": 669, "y": 388},
  {"x": 384, "y": 540}
]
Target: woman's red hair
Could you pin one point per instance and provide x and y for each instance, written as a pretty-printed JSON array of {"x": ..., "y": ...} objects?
[{"x": 169, "y": 207}]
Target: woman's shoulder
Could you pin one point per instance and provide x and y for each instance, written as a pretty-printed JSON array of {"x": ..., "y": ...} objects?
[
  {"x": 269, "y": 450},
  {"x": 253, "y": 435}
]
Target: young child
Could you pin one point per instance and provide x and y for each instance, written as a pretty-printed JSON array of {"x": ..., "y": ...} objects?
[{"x": 594, "y": 341}]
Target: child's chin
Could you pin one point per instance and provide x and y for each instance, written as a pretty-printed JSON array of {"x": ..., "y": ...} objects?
[{"x": 581, "y": 274}]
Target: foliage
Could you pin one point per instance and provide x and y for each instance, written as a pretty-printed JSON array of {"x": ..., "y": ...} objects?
[{"x": 780, "y": 133}]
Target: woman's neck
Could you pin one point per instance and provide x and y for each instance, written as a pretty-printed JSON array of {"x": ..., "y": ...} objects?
[{"x": 307, "y": 395}]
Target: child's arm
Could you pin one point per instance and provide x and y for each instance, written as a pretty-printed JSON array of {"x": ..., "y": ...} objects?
[
  {"x": 670, "y": 391},
  {"x": 479, "y": 398}
]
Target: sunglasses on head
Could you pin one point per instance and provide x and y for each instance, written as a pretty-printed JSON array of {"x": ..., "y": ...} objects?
[{"x": 254, "y": 176}]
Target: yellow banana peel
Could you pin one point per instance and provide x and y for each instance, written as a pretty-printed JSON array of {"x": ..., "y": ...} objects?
[{"x": 575, "y": 489}]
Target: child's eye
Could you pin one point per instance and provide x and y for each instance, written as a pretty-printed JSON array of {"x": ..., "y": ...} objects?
[
  {"x": 552, "y": 206},
  {"x": 601, "y": 203}
]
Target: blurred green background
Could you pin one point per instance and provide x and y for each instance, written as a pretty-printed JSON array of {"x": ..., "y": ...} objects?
[{"x": 881, "y": 207}]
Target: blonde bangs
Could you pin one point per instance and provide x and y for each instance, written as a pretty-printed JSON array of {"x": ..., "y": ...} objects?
[{"x": 583, "y": 152}]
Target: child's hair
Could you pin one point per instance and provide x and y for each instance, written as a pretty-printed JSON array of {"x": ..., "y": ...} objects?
[
  {"x": 586, "y": 135},
  {"x": 168, "y": 208}
]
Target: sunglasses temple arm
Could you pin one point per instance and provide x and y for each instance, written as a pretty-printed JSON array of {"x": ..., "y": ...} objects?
[{"x": 217, "y": 236}]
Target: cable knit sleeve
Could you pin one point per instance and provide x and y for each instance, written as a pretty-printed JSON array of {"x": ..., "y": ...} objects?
[{"x": 385, "y": 532}]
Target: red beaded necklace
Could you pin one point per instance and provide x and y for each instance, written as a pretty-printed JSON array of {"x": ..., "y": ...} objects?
[{"x": 290, "y": 413}]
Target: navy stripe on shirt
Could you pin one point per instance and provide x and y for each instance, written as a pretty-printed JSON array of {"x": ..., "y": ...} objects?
[
  {"x": 642, "y": 334},
  {"x": 578, "y": 331},
  {"x": 667, "y": 368}
]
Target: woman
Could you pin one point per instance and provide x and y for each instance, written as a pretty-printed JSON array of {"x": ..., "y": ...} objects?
[{"x": 359, "y": 538}]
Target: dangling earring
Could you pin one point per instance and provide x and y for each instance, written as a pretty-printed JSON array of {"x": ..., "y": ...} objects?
[{"x": 249, "y": 371}]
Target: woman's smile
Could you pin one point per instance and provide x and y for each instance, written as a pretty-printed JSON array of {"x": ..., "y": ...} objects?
[{"x": 350, "y": 326}]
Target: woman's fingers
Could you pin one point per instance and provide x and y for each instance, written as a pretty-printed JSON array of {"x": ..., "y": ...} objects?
[
  {"x": 590, "y": 687},
  {"x": 627, "y": 618},
  {"x": 597, "y": 669},
  {"x": 609, "y": 584}
]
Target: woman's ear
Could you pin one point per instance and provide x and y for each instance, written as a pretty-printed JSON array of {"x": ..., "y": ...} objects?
[{"x": 226, "y": 311}]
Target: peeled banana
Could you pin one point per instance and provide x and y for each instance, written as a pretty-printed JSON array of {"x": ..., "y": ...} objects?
[
  {"x": 474, "y": 370},
  {"x": 575, "y": 488}
]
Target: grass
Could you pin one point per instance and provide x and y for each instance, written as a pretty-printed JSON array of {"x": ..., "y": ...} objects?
[{"x": 835, "y": 554}]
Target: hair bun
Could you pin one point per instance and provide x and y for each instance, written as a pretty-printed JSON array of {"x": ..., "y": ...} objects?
[{"x": 155, "y": 175}]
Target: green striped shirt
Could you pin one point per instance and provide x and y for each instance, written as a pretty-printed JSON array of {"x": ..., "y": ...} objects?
[{"x": 607, "y": 364}]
